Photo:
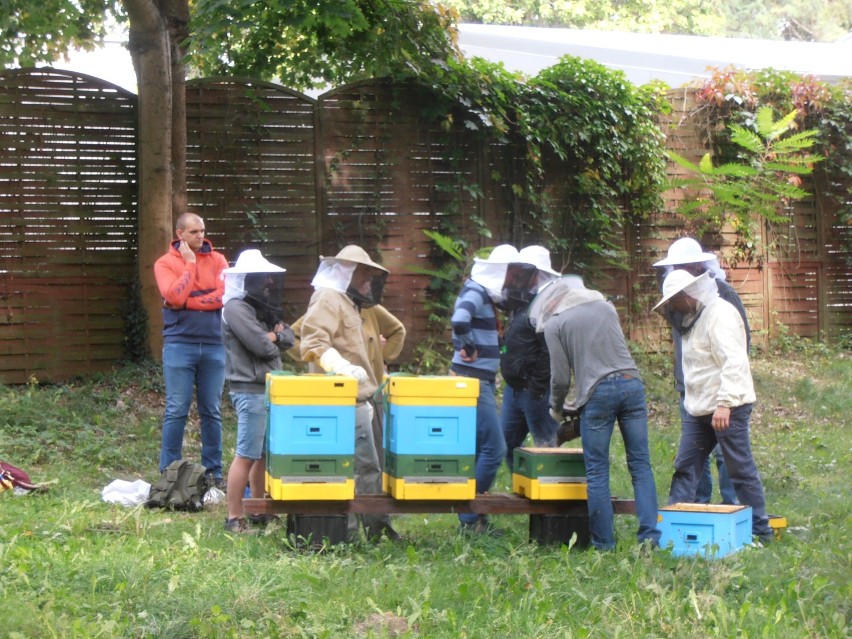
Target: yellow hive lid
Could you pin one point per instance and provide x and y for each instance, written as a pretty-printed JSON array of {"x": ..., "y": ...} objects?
[
  {"x": 433, "y": 386},
  {"x": 703, "y": 508},
  {"x": 283, "y": 388}
]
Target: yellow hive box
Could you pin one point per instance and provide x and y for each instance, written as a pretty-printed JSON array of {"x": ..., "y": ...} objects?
[
  {"x": 548, "y": 488},
  {"x": 343, "y": 489},
  {"x": 456, "y": 489},
  {"x": 302, "y": 390},
  {"x": 439, "y": 390}
]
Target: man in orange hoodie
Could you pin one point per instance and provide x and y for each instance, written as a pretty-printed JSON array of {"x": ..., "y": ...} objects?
[{"x": 190, "y": 280}]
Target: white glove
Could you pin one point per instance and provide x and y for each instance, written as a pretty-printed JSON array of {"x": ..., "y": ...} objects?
[
  {"x": 352, "y": 370},
  {"x": 333, "y": 362},
  {"x": 556, "y": 415}
]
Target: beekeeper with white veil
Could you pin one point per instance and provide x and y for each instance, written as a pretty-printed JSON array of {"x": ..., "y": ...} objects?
[
  {"x": 254, "y": 334},
  {"x": 719, "y": 393},
  {"x": 332, "y": 337},
  {"x": 476, "y": 342}
]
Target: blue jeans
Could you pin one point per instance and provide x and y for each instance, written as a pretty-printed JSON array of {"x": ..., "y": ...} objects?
[
  {"x": 490, "y": 445},
  {"x": 251, "y": 424},
  {"x": 704, "y": 491},
  {"x": 622, "y": 399},
  {"x": 697, "y": 440},
  {"x": 524, "y": 413},
  {"x": 198, "y": 367}
]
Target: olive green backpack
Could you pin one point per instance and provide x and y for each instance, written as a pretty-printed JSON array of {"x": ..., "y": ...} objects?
[{"x": 182, "y": 486}]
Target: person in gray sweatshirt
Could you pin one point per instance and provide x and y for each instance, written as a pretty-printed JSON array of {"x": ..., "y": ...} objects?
[
  {"x": 254, "y": 334},
  {"x": 585, "y": 340}
]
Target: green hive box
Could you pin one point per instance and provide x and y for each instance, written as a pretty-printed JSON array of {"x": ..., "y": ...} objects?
[
  {"x": 411, "y": 466},
  {"x": 310, "y": 467},
  {"x": 537, "y": 463},
  {"x": 310, "y": 477}
]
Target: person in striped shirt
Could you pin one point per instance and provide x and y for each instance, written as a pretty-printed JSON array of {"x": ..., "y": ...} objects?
[{"x": 476, "y": 345}]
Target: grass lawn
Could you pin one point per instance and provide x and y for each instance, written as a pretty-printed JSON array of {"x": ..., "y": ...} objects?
[{"x": 74, "y": 566}]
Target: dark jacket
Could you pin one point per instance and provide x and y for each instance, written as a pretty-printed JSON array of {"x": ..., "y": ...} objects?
[{"x": 525, "y": 363}]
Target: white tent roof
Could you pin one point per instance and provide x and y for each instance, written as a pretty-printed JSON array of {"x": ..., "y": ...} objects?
[{"x": 674, "y": 59}]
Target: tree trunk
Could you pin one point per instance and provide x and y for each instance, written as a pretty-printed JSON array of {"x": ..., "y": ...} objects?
[
  {"x": 151, "y": 50},
  {"x": 178, "y": 21}
]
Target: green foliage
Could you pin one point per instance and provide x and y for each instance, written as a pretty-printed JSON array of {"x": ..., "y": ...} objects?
[
  {"x": 730, "y": 99},
  {"x": 603, "y": 130},
  {"x": 761, "y": 185},
  {"x": 835, "y": 143},
  {"x": 593, "y": 152},
  {"x": 306, "y": 44},
  {"x": 36, "y": 33}
]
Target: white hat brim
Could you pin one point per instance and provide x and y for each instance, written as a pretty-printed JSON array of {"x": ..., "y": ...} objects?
[
  {"x": 692, "y": 259},
  {"x": 251, "y": 261},
  {"x": 686, "y": 283}
]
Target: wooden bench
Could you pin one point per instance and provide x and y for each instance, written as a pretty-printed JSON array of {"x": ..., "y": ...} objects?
[
  {"x": 551, "y": 521},
  {"x": 492, "y": 504}
]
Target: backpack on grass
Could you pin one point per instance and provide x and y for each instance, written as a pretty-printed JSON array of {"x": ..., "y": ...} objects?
[{"x": 182, "y": 486}]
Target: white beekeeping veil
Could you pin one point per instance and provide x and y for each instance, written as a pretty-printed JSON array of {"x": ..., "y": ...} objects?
[
  {"x": 337, "y": 273},
  {"x": 490, "y": 273},
  {"x": 557, "y": 296},
  {"x": 249, "y": 261}
]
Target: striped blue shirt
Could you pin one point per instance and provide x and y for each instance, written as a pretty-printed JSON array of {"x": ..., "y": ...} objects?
[{"x": 475, "y": 325}]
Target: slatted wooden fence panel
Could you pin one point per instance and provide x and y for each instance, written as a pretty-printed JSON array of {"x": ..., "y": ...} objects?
[
  {"x": 68, "y": 229},
  {"x": 271, "y": 168},
  {"x": 251, "y": 174}
]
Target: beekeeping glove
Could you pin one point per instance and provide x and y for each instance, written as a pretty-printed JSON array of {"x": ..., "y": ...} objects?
[{"x": 333, "y": 362}]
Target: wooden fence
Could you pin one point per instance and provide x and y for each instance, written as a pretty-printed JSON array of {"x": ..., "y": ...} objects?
[{"x": 299, "y": 178}]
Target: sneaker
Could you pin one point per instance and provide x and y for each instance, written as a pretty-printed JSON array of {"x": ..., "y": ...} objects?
[
  {"x": 263, "y": 519},
  {"x": 238, "y": 525},
  {"x": 217, "y": 482},
  {"x": 481, "y": 526}
]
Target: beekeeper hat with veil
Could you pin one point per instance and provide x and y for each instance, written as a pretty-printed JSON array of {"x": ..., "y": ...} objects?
[
  {"x": 490, "y": 272},
  {"x": 259, "y": 282},
  {"x": 352, "y": 273},
  {"x": 557, "y": 296},
  {"x": 528, "y": 274}
]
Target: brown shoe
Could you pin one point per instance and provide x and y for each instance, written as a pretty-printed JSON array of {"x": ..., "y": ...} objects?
[
  {"x": 238, "y": 525},
  {"x": 482, "y": 526},
  {"x": 374, "y": 534}
]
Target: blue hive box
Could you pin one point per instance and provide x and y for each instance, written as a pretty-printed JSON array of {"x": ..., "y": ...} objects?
[
  {"x": 431, "y": 416},
  {"x": 311, "y": 415},
  {"x": 704, "y": 530}
]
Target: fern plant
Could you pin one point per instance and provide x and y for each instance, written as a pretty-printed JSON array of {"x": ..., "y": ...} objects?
[{"x": 763, "y": 184}]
